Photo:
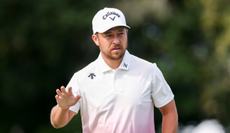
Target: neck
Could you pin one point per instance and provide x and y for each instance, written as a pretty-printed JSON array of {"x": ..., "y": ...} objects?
[{"x": 114, "y": 64}]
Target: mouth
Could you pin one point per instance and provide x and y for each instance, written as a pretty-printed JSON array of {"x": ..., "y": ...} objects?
[{"x": 116, "y": 49}]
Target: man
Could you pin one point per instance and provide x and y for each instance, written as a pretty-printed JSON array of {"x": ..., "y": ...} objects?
[{"x": 117, "y": 92}]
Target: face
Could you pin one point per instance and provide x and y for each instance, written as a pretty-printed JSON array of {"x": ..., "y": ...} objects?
[{"x": 112, "y": 43}]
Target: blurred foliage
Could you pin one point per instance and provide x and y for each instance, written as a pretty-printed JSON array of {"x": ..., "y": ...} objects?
[{"x": 43, "y": 43}]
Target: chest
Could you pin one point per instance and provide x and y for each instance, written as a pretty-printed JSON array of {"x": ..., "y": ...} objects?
[{"x": 116, "y": 88}]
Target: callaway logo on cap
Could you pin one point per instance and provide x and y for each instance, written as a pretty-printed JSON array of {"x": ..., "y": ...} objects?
[{"x": 108, "y": 18}]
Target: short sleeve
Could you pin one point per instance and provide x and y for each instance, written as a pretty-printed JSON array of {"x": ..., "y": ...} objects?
[
  {"x": 161, "y": 91},
  {"x": 75, "y": 89}
]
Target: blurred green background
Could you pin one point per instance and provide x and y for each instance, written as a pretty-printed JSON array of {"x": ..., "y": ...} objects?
[{"x": 43, "y": 42}]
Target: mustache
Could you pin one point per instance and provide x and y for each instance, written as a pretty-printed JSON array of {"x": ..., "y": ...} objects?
[{"x": 118, "y": 45}]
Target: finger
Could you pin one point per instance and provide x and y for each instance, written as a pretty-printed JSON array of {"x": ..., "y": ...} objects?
[
  {"x": 69, "y": 90},
  {"x": 57, "y": 98},
  {"x": 59, "y": 92},
  {"x": 78, "y": 97},
  {"x": 63, "y": 90}
]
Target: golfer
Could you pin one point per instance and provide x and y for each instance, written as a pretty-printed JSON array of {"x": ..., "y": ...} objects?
[{"x": 117, "y": 92}]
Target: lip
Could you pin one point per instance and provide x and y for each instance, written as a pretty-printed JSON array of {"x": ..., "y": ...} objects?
[{"x": 116, "y": 49}]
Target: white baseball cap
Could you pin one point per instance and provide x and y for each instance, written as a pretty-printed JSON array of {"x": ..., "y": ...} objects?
[{"x": 108, "y": 18}]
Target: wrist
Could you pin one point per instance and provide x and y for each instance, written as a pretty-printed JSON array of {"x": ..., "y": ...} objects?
[{"x": 63, "y": 108}]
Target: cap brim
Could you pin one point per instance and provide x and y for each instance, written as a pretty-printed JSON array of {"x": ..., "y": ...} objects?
[{"x": 108, "y": 28}]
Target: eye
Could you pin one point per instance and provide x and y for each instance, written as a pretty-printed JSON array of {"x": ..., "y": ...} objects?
[
  {"x": 121, "y": 33},
  {"x": 108, "y": 35}
]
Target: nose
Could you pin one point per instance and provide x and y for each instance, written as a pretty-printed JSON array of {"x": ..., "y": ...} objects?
[{"x": 116, "y": 40}]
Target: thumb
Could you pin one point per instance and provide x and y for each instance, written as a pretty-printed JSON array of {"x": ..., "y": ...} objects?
[{"x": 77, "y": 98}]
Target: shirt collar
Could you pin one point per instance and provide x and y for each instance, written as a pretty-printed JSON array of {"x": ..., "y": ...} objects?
[{"x": 125, "y": 63}]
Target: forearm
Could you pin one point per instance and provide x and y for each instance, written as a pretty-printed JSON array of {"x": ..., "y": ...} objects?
[
  {"x": 170, "y": 124},
  {"x": 170, "y": 118},
  {"x": 59, "y": 117}
]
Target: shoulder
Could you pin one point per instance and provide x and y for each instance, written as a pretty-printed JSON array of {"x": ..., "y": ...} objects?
[
  {"x": 143, "y": 67},
  {"x": 142, "y": 63}
]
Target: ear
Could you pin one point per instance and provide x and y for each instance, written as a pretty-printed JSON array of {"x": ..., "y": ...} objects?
[{"x": 95, "y": 39}]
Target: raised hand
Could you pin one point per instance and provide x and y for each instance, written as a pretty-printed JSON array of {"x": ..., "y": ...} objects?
[{"x": 66, "y": 99}]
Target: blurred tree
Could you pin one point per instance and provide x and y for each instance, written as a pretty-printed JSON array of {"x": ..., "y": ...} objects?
[
  {"x": 215, "y": 20},
  {"x": 42, "y": 43}
]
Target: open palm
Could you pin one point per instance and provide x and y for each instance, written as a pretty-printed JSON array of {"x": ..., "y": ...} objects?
[{"x": 66, "y": 99}]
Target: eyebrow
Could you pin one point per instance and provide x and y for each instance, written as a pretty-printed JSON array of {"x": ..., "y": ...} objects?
[
  {"x": 107, "y": 32},
  {"x": 121, "y": 30}
]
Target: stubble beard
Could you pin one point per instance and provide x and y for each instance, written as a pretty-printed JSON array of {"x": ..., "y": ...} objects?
[{"x": 115, "y": 56}]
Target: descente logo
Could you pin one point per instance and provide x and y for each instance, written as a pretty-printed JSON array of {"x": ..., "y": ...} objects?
[{"x": 110, "y": 13}]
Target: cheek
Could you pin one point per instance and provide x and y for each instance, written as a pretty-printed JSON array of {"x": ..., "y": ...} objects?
[
  {"x": 125, "y": 43},
  {"x": 103, "y": 46}
]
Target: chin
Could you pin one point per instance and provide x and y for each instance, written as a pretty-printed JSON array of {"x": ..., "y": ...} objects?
[{"x": 117, "y": 57}]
